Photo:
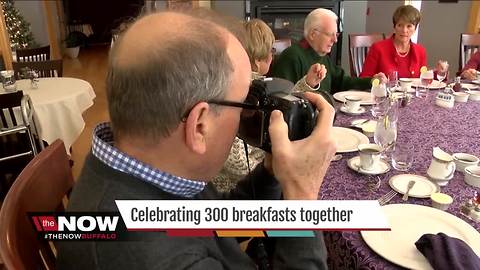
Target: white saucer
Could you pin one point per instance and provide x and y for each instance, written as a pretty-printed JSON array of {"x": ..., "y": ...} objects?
[
  {"x": 380, "y": 168},
  {"x": 423, "y": 187},
  {"x": 359, "y": 111}
]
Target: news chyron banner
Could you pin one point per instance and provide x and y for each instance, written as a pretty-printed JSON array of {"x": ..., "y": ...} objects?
[
  {"x": 208, "y": 218},
  {"x": 251, "y": 218}
]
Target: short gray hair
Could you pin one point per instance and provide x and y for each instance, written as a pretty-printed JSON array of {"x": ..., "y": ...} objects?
[
  {"x": 316, "y": 18},
  {"x": 149, "y": 100}
]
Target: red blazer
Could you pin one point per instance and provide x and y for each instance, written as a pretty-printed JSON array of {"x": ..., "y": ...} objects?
[{"x": 382, "y": 57}]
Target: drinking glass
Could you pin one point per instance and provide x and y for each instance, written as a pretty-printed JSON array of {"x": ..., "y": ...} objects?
[
  {"x": 386, "y": 134},
  {"x": 8, "y": 80},
  {"x": 381, "y": 101},
  {"x": 402, "y": 158},
  {"x": 393, "y": 80},
  {"x": 426, "y": 78}
]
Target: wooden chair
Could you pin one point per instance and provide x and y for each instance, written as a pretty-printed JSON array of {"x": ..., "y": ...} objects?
[
  {"x": 358, "y": 45},
  {"x": 41, "y": 187},
  {"x": 51, "y": 68},
  {"x": 33, "y": 55},
  {"x": 469, "y": 44}
]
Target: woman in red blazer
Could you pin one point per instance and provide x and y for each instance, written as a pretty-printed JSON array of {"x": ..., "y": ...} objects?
[{"x": 398, "y": 53}]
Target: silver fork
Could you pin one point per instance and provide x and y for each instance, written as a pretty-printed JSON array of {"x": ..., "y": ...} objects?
[{"x": 387, "y": 197}]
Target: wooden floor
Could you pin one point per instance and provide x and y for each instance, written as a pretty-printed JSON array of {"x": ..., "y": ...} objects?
[{"x": 90, "y": 66}]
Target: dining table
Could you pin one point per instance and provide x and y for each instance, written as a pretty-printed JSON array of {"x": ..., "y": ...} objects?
[
  {"x": 59, "y": 103},
  {"x": 421, "y": 126}
]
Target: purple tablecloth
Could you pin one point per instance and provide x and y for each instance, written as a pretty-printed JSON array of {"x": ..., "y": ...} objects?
[{"x": 422, "y": 125}]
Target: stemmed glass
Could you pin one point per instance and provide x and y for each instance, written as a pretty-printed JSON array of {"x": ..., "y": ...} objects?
[{"x": 442, "y": 72}]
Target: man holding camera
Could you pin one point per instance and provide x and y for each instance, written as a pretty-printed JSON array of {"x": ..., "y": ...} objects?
[
  {"x": 169, "y": 136},
  {"x": 320, "y": 34}
]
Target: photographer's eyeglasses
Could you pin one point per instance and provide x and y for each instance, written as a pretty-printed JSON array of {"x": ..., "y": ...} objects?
[{"x": 247, "y": 108}]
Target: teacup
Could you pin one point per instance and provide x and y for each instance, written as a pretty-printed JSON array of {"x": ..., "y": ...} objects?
[
  {"x": 406, "y": 84},
  {"x": 461, "y": 96},
  {"x": 369, "y": 155},
  {"x": 472, "y": 175},
  {"x": 352, "y": 103},
  {"x": 463, "y": 160}
]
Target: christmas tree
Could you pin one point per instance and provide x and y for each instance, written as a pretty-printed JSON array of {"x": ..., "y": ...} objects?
[{"x": 18, "y": 28}]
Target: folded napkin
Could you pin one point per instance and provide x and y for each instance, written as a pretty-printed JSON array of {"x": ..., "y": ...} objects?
[{"x": 447, "y": 253}]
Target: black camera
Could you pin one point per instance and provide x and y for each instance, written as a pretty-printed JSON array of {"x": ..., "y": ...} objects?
[{"x": 270, "y": 94}]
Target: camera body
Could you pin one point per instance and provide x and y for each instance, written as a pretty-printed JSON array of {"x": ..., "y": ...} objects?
[{"x": 271, "y": 94}]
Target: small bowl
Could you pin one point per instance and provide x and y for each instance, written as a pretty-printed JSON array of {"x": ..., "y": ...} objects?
[
  {"x": 461, "y": 96},
  {"x": 472, "y": 175},
  {"x": 441, "y": 201},
  {"x": 474, "y": 95},
  {"x": 463, "y": 160}
]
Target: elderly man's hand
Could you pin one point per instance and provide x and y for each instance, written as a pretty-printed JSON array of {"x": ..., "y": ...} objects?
[
  {"x": 301, "y": 165},
  {"x": 469, "y": 74},
  {"x": 381, "y": 77},
  {"x": 315, "y": 75}
]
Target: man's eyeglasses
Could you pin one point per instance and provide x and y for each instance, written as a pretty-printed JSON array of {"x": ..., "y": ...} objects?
[
  {"x": 247, "y": 108},
  {"x": 330, "y": 35}
]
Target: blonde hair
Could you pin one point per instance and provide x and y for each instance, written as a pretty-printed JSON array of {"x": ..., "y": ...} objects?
[
  {"x": 259, "y": 41},
  {"x": 316, "y": 19}
]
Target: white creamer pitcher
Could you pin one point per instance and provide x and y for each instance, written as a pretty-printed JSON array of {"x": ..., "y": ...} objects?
[{"x": 442, "y": 167}]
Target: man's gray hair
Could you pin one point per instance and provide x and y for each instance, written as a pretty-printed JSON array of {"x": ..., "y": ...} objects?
[
  {"x": 316, "y": 19},
  {"x": 149, "y": 100}
]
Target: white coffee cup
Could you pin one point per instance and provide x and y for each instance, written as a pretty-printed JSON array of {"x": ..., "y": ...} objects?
[
  {"x": 406, "y": 84},
  {"x": 369, "y": 155},
  {"x": 352, "y": 103}
]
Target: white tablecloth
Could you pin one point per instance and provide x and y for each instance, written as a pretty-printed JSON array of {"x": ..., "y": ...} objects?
[{"x": 59, "y": 104}]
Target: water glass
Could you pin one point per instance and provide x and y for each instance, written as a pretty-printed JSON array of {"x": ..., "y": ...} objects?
[
  {"x": 34, "y": 80},
  {"x": 386, "y": 134},
  {"x": 393, "y": 80},
  {"x": 402, "y": 158},
  {"x": 426, "y": 78},
  {"x": 8, "y": 80}
]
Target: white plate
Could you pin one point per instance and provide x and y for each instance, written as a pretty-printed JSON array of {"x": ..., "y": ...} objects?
[
  {"x": 380, "y": 168},
  {"x": 434, "y": 85},
  {"x": 359, "y": 111},
  {"x": 409, "y": 222},
  {"x": 365, "y": 96},
  {"x": 422, "y": 188},
  {"x": 348, "y": 139},
  {"x": 467, "y": 86}
]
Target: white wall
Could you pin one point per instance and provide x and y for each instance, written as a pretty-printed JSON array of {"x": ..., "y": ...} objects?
[
  {"x": 235, "y": 8},
  {"x": 441, "y": 26},
  {"x": 379, "y": 19},
  {"x": 354, "y": 21},
  {"x": 33, "y": 12}
]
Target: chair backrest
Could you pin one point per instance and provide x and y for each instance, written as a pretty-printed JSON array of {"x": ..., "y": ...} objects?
[
  {"x": 19, "y": 133},
  {"x": 469, "y": 44},
  {"x": 40, "y": 187},
  {"x": 50, "y": 68},
  {"x": 8, "y": 103},
  {"x": 35, "y": 54},
  {"x": 281, "y": 44},
  {"x": 358, "y": 45}
]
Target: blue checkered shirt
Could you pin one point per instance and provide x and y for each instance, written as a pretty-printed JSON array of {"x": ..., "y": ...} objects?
[{"x": 103, "y": 149}]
